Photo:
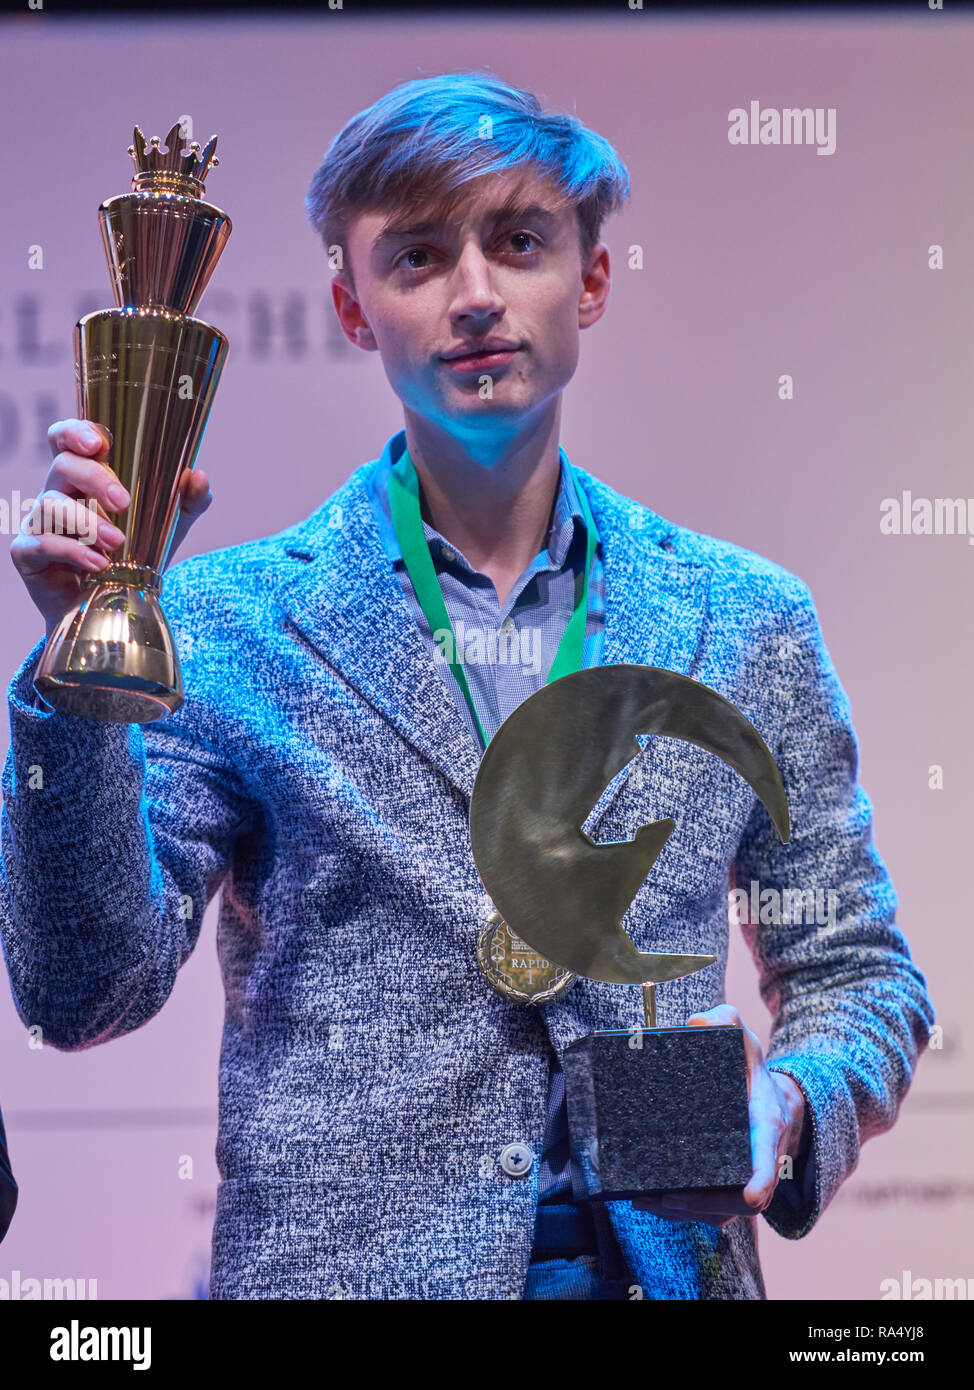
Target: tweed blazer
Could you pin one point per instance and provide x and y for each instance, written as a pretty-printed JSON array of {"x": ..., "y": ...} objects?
[{"x": 321, "y": 774}]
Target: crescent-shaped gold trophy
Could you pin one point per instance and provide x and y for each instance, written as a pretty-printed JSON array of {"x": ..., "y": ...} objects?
[
  {"x": 146, "y": 371},
  {"x": 650, "y": 1109}
]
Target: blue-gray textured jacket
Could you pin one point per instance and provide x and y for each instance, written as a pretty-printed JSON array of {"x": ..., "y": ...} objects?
[{"x": 320, "y": 772}]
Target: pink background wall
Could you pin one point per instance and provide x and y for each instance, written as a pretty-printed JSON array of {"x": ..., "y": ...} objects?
[{"x": 759, "y": 261}]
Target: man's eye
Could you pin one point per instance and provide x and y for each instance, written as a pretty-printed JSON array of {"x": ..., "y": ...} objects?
[
  {"x": 530, "y": 236},
  {"x": 413, "y": 251},
  {"x": 404, "y": 258}
]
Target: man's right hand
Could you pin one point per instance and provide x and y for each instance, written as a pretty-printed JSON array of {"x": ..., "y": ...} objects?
[{"x": 68, "y": 533}]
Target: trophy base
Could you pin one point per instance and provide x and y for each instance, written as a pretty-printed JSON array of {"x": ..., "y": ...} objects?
[
  {"x": 653, "y": 1110},
  {"x": 112, "y": 658}
]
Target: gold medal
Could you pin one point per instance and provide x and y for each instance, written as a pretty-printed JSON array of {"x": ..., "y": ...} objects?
[{"x": 516, "y": 970}]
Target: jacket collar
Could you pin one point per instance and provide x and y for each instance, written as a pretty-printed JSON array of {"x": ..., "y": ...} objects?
[
  {"x": 349, "y": 604},
  {"x": 567, "y": 517}
]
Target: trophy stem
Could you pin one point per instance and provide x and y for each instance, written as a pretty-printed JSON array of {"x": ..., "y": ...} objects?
[{"x": 649, "y": 1005}]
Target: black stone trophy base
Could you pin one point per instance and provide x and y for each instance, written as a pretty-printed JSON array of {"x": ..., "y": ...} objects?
[{"x": 654, "y": 1110}]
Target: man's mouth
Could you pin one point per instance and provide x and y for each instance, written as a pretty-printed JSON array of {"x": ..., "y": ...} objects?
[{"x": 484, "y": 358}]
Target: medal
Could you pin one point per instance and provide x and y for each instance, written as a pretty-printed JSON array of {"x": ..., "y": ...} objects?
[{"x": 515, "y": 970}]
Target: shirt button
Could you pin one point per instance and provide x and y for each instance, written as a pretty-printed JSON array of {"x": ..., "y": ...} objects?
[
  {"x": 449, "y": 554},
  {"x": 507, "y": 626},
  {"x": 516, "y": 1160}
]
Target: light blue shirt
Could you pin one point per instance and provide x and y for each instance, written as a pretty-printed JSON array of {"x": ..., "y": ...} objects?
[{"x": 507, "y": 652}]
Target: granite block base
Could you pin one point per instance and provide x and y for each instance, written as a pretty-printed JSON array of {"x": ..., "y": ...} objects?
[{"x": 654, "y": 1110}]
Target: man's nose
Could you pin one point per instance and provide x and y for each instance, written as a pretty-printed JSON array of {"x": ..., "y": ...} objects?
[{"x": 475, "y": 293}]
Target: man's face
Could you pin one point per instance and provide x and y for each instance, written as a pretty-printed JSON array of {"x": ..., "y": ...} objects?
[{"x": 425, "y": 292}]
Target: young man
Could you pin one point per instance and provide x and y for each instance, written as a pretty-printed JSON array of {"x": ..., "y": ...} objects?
[{"x": 390, "y": 1125}]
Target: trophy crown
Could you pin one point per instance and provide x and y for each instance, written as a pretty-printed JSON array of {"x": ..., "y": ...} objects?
[{"x": 171, "y": 172}]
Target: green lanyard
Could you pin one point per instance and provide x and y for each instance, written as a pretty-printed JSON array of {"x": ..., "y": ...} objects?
[{"x": 407, "y": 522}]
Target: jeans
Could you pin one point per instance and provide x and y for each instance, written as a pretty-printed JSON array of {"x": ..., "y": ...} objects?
[
  {"x": 580, "y": 1278},
  {"x": 575, "y": 1256}
]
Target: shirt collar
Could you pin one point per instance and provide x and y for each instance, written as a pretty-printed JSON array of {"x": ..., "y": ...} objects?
[{"x": 567, "y": 519}]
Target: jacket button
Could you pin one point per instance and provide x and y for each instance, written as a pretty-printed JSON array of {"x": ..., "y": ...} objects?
[{"x": 516, "y": 1160}]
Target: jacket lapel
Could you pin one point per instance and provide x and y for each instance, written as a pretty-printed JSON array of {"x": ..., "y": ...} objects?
[
  {"x": 348, "y": 603},
  {"x": 655, "y": 603}
]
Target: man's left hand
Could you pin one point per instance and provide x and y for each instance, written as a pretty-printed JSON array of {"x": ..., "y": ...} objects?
[{"x": 776, "y": 1109}]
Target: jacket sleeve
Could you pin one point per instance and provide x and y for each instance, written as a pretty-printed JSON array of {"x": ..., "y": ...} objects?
[
  {"x": 114, "y": 839},
  {"x": 850, "y": 1011}
]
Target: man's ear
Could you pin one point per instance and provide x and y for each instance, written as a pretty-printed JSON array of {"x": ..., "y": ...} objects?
[
  {"x": 349, "y": 310},
  {"x": 595, "y": 286}
]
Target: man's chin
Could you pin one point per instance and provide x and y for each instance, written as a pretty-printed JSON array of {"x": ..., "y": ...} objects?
[{"x": 487, "y": 414}]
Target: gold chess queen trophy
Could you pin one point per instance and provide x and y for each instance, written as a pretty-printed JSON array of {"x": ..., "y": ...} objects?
[{"x": 146, "y": 371}]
